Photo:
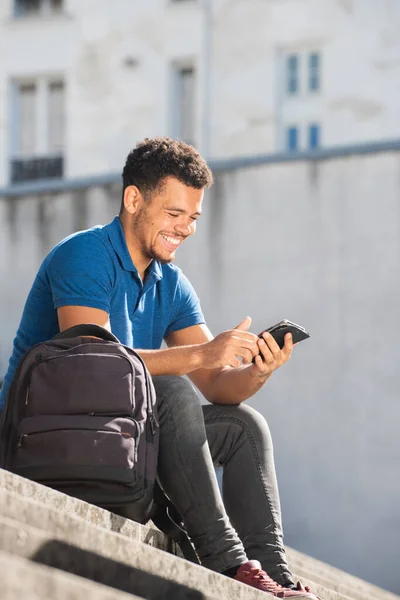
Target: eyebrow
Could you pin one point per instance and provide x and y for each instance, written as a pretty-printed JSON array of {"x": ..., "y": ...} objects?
[{"x": 180, "y": 210}]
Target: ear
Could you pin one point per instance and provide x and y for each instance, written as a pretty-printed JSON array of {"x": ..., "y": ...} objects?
[{"x": 132, "y": 199}]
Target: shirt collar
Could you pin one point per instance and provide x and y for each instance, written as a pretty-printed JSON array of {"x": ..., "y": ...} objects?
[{"x": 116, "y": 235}]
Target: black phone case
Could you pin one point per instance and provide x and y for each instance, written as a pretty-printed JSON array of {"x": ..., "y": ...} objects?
[{"x": 279, "y": 331}]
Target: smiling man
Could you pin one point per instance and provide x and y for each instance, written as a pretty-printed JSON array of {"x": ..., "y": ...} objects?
[{"x": 121, "y": 276}]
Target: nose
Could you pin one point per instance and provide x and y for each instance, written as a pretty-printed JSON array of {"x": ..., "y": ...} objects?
[{"x": 185, "y": 227}]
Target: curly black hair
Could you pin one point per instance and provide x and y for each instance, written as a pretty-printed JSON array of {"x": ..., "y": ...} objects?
[{"x": 154, "y": 159}]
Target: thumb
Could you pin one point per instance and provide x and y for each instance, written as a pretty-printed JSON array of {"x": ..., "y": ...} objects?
[{"x": 244, "y": 325}]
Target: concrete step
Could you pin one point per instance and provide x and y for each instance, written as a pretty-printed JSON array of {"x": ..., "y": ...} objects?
[
  {"x": 112, "y": 559},
  {"x": 327, "y": 582},
  {"x": 305, "y": 566},
  {"x": 22, "y": 578},
  {"x": 45, "y": 496},
  {"x": 83, "y": 534}
]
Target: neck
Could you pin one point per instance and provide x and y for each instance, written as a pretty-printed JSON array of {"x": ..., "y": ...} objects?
[{"x": 140, "y": 261}]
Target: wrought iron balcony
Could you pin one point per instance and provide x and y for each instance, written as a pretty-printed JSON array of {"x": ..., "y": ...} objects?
[{"x": 32, "y": 169}]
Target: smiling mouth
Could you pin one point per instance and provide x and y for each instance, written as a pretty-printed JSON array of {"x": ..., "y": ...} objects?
[{"x": 171, "y": 241}]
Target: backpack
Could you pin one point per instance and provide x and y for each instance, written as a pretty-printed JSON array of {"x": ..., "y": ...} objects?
[{"x": 80, "y": 417}]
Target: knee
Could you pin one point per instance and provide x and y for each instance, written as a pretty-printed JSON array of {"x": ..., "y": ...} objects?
[{"x": 251, "y": 422}]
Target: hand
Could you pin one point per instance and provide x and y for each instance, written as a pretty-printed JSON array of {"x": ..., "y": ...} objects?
[
  {"x": 229, "y": 346},
  {"x": 270, "y": 356}
]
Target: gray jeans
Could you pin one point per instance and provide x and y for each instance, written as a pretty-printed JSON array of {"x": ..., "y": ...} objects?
[{"x": 246, "y": 524}]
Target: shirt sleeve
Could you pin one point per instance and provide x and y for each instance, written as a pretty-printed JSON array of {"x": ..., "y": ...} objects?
[
  {"x": 81, "y": 273},
  {"x": 188, "y": 310}
]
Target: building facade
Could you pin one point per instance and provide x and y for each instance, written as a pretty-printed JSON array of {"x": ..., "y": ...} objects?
[{"x": 81, "y": 82}]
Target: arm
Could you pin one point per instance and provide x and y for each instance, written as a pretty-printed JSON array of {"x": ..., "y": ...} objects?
[
  {"x": 227, "y": 385},
  {"x": 181, "y": 359},
  {"x": 211, "y": 363}
]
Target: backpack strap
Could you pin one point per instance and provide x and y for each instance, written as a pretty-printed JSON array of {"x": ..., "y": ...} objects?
[
  {"x": 87, "y": 329},
  {"x": 167, "y": 518}
]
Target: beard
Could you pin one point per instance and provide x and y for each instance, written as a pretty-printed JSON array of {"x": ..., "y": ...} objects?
[{"x": 155, "y": 254}]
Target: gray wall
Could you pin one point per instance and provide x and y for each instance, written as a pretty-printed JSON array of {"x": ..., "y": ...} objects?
[{"x": 316, "y": 242}]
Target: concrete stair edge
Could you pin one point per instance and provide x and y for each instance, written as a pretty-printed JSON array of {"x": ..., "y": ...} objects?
[
  {"x": 64, "y": 526},
  {"x": 311, "y": 570},
  {"x": 21, "y": 577},
  {"x": 306, "y": 565},
  {"x": 113, "y": 560}
]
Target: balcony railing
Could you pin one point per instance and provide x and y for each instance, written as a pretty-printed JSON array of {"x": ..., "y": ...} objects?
[{"x": 33, "y": 169}]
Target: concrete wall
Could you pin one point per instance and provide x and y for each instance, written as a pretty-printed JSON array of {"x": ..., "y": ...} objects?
[
  {"x": 116, "y": 59},
  {"x": 316, "y": 242}
]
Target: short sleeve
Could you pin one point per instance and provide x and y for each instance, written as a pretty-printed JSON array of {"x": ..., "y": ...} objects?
[
  {"x": 188, "y": 310},
  {"x": 81, "y": 273}
]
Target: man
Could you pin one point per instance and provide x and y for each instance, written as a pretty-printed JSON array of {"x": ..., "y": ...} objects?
[{"x": 120, "y": 276}]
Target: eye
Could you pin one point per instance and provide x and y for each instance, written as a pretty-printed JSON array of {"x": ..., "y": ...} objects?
[
  {"x": 173, "y": 214},
  {"x": 193, "y": 218}
]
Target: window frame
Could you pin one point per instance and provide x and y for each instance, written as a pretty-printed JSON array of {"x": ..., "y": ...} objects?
[
  {"x": 43, "y": 159},
  {"x": 178, "y": 121},
  {"x": 314, "y": 72},
  {"x": 45, "y": 8},
  {"x": 292, "y": 74}
]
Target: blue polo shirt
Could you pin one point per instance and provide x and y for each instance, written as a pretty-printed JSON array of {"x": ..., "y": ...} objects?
[{"x": 93, "y": 268}]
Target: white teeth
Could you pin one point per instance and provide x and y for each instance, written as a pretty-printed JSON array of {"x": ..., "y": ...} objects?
[{"x": 171, "y": 240}]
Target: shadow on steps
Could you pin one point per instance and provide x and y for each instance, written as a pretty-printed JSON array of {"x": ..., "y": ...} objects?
[{"x": 112, "y": 573}]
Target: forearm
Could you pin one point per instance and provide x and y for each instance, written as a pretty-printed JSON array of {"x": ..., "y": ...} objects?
[
  {"x": 179, "y": 360},
  {"x": 233, "y": 386}
]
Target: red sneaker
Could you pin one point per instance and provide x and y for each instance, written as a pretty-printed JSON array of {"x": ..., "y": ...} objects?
[{"x": 252, "y": 574}]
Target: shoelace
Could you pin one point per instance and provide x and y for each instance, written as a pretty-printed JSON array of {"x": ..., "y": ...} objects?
[
  {"x": 269, "y": 585},
  {"x": 266, "y": 582}
]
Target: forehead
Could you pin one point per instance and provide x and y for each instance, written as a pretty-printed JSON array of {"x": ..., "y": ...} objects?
[{"x": 176, "y": 193}]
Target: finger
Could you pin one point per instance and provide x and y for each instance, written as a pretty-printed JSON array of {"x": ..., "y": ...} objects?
[
  {"x": 259, "y": 363},
  {"x": 271, "y": 343},
  {"x": 244, "y": 325},
  {"x": 236, "y": 334},
  {"x": 265, "y": 351},
  {"x": 250, "y": 345},
  {"x": 288, "y": 347},
  {"x": 247, "y": 357},
  {"x": 235, "y": 362}
]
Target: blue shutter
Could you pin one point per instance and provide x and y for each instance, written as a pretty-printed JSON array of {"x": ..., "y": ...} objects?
[
  {"x": 292, "y": 139},
  {"x": 314, "y": 69},
  {"x": 292, "y": 74},
  {"x": 314, "y": 135}
]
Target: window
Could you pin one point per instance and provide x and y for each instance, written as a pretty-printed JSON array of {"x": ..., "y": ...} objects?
[
  {"x": 55, "y": 116},
  {"x": 29, "y": 8},
  {"x": 314, "y": 62},
  {"x": 38, "y": 127},
  {"x": 314, "y": 136},
  {"x": 27, "y": 94},
  {"x": 292, "y": 67},
  {"x": 184, "y": 103},
  {"x": 292, "y": 139}
]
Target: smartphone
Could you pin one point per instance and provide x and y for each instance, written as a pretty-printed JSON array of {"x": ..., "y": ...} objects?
[{"x": 279, "y": 331}]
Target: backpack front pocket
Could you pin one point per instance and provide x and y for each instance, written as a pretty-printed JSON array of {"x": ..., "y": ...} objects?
[
  {"x": 71, "y": 384},
  {"x": 77, "y": 448}
]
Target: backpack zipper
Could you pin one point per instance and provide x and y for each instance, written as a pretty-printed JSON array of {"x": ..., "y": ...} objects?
[{"x": 150, "y": 414}]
